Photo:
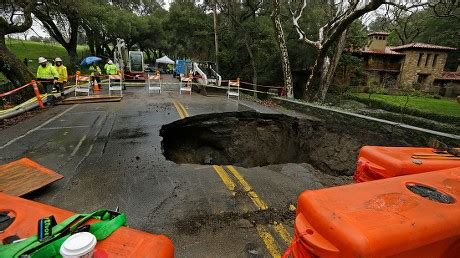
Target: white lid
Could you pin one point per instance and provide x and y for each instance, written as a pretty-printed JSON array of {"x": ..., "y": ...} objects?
[{"x": 78, "y": 244}]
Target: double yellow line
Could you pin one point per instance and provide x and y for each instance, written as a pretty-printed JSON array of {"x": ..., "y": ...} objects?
[
  {"x": 263, "y": 231},
  {"x": 180, "y": 109}
]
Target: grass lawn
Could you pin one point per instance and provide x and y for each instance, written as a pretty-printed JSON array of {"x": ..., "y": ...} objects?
[
  {"x": 444, "y": 106},
  {"x": 33, "y": 50}
]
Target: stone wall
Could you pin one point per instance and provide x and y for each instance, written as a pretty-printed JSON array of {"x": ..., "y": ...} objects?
[{"x": 411, "y": 69}]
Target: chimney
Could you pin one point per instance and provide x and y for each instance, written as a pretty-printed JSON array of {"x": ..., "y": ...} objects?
[{"x": 377, "y": 40}]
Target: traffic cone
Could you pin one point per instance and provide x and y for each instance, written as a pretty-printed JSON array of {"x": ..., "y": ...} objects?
[{"x": 96, "y": 87}]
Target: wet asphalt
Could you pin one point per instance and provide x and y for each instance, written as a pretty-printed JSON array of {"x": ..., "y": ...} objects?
[{"x": 110, "y": 155}]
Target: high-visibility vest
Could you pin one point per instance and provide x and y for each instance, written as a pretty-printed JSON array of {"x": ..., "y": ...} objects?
[
  {"x": 111, "y": 69},
  {"x": 62, "y": 71},
  {"x": 47, "y": 72},
  {"x": 95, "y": 71}
]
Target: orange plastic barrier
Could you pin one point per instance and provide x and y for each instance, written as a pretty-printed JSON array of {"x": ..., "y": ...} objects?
[
  {"x": 376, "y": 162},
  {"x": 384, "y": 218},
  {"x": 124, "y": 242}
]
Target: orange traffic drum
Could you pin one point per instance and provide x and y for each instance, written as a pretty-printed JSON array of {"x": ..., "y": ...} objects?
[
  {"x": 23, "y": 216},
  {"x": 407, "y": 216},
  {"x": 376, "y": 162}
]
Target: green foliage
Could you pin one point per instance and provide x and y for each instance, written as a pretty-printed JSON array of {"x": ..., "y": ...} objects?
[
  {"x": 189, "y": 31},
  {"x": 442, "y": 110},
  {"x": 33, "y": 50}
]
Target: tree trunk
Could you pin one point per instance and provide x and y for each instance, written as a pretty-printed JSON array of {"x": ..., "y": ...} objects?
[
  {"x": 13, "y": 68},
  {"x": 73, "y": 56},
  {"x": 315, "y": 76},
  {"x": 216, "y": 41},
  {"x": 254, "y": 68},
  {"x": 326, "y": 80},
  {"x": 279, "y": 33}
]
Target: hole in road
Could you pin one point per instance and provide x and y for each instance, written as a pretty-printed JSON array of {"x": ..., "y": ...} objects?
[
  {"x": 251, "y": 139},
  {"x": 245, "y": 139}
]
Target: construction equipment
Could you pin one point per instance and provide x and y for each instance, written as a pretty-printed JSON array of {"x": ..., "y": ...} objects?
[
  {"x": 130, "y": 62},
  {"x": 205, "y": 74}
]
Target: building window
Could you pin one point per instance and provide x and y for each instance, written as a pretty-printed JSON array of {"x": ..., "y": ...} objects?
[
  {"x": 420, "y": 56},
  {"x": 427, "y": 60},
  {"x": 435, "y": 59}
]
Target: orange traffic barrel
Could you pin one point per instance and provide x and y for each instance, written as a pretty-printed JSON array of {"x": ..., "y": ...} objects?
[
  {"x": 377, "y": 162},
  {"x": 407, "y": 216},
  {"x": 124, "y": 242}
]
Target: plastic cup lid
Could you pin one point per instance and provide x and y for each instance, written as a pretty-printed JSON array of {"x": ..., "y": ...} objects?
[{"x": 78, "y": 244}]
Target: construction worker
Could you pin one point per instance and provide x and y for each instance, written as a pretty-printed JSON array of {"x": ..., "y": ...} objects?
[
  {"x": 110, "y": 68},
  {"x": 62, "y": 71},
  {"x": 46, "y": 74},
  {"x": 95, "y": 73}
]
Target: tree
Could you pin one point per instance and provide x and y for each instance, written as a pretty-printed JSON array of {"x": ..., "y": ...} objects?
[
  {"x": 16, "y": 17},
  {"x": 242, "y": 18},
  {"x": 405, "y": 26},
  {"x": 341, "y": 14},
  {"x": 279, "y": 33},
  {"x": 62, "y": 20}
]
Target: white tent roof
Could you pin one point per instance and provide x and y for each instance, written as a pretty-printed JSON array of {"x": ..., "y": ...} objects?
[{"x": 165, "y": 60}]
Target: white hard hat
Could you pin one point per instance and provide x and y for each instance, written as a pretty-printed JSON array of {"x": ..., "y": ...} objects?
[
  {"x": 58, "y": 59},
  {"x": 41, "y": 60},
  {"x": 110, "y": 62}
]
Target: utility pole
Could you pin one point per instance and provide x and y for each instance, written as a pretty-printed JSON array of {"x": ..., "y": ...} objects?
[{"x": 216, "y": 42}]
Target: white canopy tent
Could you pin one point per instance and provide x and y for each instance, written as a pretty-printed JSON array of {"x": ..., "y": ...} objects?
[{"x": 164, "y": 60}]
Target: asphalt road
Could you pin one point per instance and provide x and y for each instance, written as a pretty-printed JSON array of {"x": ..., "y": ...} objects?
[{"x": 110, "y": 156}]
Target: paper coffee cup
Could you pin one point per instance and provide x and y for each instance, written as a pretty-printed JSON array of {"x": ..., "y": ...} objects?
[{"x": 80, "y": 245}]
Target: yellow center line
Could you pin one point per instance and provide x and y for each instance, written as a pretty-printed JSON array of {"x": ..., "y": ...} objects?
[
  {"x": 269, "y": 241},
  {"x": 282, "y": 232},
  {"x": 248, "y": 189},
  {"x": 179, "y": 110},
  {"x": 225, "y": 178},
  {"x": 184, "y": 111}
]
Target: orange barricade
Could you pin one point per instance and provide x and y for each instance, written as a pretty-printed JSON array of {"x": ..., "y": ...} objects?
[
  {"x": 376, "y": 162},
  {"x": 408, "y": 216},
  {"x": 124, "y": 242}
]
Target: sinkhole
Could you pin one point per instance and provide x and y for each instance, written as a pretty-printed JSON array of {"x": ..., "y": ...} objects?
[{"x": 251, "y": 139}]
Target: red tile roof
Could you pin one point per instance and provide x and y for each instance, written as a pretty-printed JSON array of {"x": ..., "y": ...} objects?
[
  {"x": 387, "y": 51},
  {"x": 378, "y": 33},
  {"x": 423, "y": 46},
  {"x": 449, "y": 76}
]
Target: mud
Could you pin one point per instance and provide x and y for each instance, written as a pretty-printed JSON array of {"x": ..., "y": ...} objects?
[
  {"x": 251, "y": 139},
  {"x": 192, "y": 225}
]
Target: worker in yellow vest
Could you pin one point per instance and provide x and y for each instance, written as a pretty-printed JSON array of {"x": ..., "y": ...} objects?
[
  {"x": 62, "y": 72},
  {"x": 95, "y": 71},
  {"x": 110, "y": 68},
  {"x": 46, "y": 74}
]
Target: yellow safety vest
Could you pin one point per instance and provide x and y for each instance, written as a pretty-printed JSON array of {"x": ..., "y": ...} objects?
[
  {"x": 111, "y": 69},
  {"x": 47, "y": 72},
  {"x": 62, "y": 71},
  {"x": 95, "y": 71}
]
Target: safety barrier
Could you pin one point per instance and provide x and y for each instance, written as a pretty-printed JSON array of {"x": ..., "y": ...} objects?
[
  {"x": 115, "y": 87},
  {"x": 152, "y": 86},
  {"x": 232, "y": 85},
  {"x": 33, "y": 83},
  {"x": 85, "y": 88},
  {"x": 186, "y": 84},
  {"x": 379, "y": 162},
  {"x": 408, "y": 216}
]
